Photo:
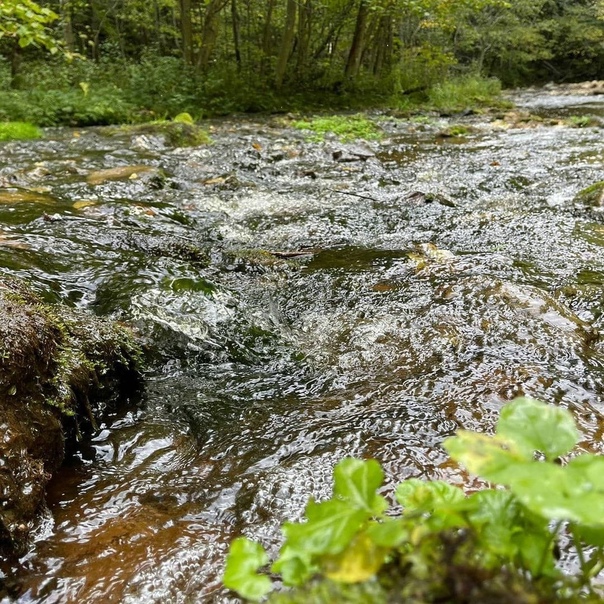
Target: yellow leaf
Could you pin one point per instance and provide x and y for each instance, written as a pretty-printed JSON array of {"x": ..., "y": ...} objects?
[{"x": 357, "y": 563}]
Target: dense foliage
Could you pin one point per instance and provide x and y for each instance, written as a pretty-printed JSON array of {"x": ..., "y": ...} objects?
[
  {"x": 169, "y": 56},
  {"x": 496, "y": 544}
]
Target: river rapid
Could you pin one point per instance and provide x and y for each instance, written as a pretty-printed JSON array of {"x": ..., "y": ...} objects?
[{"x": 300, "y": 302}]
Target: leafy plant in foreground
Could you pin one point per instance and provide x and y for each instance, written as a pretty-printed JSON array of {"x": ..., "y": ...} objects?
[{"x": 446, "y": 545}]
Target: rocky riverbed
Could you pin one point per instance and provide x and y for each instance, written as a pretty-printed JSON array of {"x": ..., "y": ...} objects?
[{"x": 299, "y": 300}]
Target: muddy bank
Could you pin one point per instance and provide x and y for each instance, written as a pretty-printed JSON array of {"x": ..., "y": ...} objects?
[{"x": 59, "y": 369}]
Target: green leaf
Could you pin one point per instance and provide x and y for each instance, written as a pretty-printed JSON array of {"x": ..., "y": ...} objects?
[
  {"x": 536, "y": 553},
  {"x": 420, "y": 495},
  {"x": 558, "y": 493},
  {"x": 590, "y": 534},
  {"x": 244, "y": 559},
  {"x": 389, "y": 533},
  {"x": 356, "y": 481},
  {"x": 330, "y": 527},
  {"x": 535, "y": 426},
  {"x": 488, "y": 456},
  {"x": 295, "y": 568}
]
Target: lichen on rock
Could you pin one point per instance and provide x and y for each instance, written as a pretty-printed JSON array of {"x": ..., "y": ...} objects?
[{"x": 59, "y": 369}]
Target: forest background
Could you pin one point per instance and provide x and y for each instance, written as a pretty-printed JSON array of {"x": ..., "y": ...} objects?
[{"x": 79, "y": 62}]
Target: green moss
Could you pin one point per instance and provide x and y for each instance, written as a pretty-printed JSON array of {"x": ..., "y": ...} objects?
[
  {"x": 583, "y": 121},
  {"x": 181, "y": 133},
  {"x": 184, "y": 118},
  {"x": 591, "y": 196},
  {"x": 58, "y": 356},
  {"x": 88, "y": 354},
  {"x": 19, "y": 131},
  {"x": 455, "y": 130},
  {"x": 346, "y": 128}
]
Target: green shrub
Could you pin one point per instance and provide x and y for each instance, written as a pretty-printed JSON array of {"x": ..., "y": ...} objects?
[
  {"x": 66, "y": 107},
  {"x": 18, "y": 131},
  {"x": 496, "y": 544}
]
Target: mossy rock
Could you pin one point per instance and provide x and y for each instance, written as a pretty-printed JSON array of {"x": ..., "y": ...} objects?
[
  {"x": 59, "y": 370},
  {"x": 177, "y": 133},
  {"x": 592, "y": 196}
]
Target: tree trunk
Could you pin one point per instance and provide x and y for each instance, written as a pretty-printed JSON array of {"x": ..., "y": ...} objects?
[
  {"x": 266, "y": 37},
  {"x": 68, "y": 37},
  {"x": 304, "y": 30},
  {"x": 286, "y": 42},
  {"x": 209, "y": 34},
  {"x": 383, "y": 42},
  {"x": 15, "y": 65},
  {"x": 358, "y": 42},
  {"x": 236, "y": 34},
  {"x": 186, "y": 31}
]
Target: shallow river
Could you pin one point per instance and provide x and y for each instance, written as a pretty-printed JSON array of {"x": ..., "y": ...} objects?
[{"x": 300, "y": 302}]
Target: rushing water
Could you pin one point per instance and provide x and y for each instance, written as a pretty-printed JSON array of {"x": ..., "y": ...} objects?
[{"x": 433, "y": 279}]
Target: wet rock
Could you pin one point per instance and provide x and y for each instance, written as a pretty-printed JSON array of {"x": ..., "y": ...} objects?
[
  {"x": 419, "y": 198},
  {"x": 98, "y": 177},
  {"x": 351, "y": 153},
  {"x": 56, "y": 367},
  {"x": 592, "y": 196}
]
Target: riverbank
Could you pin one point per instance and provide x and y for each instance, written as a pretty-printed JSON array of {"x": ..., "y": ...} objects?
[
  {"x": 60, "y": 370},
  {"x": 87, "y": 94}
]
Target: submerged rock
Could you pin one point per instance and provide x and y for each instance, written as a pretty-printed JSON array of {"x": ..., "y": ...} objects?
[
  {"x": 58, "y": 370},
  {"x": 98, "y": 177}
]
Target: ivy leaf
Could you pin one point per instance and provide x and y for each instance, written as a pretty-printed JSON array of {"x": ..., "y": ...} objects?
[
  {"x": 356, "y": 481},
  {"x": 244, "y": 559},
  {"x": 360, "y": 561},
  {"x": 491, "y": 457},
  {"x": 330, "y": 527},
  {"x": 536, "y": 426},
  {"x": 423, "y": 496}
]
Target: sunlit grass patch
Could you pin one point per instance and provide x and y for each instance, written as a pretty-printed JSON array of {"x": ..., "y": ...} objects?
[
  {"x": 10, "y": 131},
  {"x": 464, "y": 92},
  {"x": 345, "y": 127}
]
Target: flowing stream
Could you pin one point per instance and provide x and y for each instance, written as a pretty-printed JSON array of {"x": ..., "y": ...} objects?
[{"x": 300, "y": 302}]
